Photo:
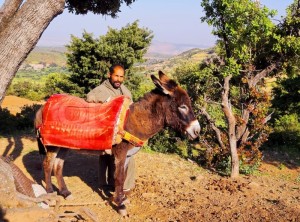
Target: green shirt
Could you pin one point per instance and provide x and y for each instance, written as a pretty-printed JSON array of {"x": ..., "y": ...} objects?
[{"x": 105, "y": 92}]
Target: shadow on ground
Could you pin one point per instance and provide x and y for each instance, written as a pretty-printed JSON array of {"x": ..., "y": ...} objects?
[{"x": 81, "y": 165}]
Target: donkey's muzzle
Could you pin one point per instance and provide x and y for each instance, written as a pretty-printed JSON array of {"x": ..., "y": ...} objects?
[{"x": 193, "y": 129}]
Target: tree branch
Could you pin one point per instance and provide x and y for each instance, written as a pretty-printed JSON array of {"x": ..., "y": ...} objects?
[
  {"x": 267, "y": 118},
  {"x": 242, "y": 128},
  {"x": 214, "y": 127},
  {"x": 226, "y": 107},
  {"x": 253, "y": 81},
  {"x": 7, "y": 11},
  {"x": 225, "y": 101}
]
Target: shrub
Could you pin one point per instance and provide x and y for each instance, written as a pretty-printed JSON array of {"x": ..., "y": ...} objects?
[
  {"x": 25, "y": 118},
  {"x": 164, "y": 142},
  {"x": 7, "y": 121},
  {"x": 27, "y": 89},
  {"x": 286, "y": 131}
]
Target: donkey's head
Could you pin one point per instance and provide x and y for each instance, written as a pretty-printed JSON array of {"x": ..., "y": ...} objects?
[{"x": 178, "y": 113}]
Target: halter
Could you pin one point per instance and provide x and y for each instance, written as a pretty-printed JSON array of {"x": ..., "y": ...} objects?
[{"x": 131, "y": 138}]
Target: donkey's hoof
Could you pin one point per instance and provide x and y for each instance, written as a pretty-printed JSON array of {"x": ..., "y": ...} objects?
[
  {"x": 122, "y": 211},
  {"x": 69, "y": 197},
  {"x": 126, "y": 201},
  {"x": 66, "y": 194}
]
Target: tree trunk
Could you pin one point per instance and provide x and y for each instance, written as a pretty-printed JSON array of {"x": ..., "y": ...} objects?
[
  {"x": 20, "y": 35},
  {"x": 231, "y": 128}
]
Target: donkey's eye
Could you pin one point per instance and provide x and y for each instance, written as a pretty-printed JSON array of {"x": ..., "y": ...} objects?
[{"x": 183, "y": 109}]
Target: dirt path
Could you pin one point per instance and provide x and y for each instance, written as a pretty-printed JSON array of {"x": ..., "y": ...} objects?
[{"x": 168, "y": 189}]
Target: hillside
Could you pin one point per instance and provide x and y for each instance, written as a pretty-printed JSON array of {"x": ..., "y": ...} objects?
[
  {"x": 42, "y": 57},
  {"x": 153, "y": 64},
  {"x": 168, "y": 188}
]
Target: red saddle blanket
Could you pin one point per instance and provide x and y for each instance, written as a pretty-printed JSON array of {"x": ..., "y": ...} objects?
[{"x": 71, "y": 122}]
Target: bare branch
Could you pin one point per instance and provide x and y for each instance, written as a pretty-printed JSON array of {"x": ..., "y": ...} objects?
[
  {"x": 267, "y": 118},
  {"x": 253, "y": 81},
  {"x": 242, "y": 128},
  {"x": 213, "y": 102},
  {"x": 245, "y": 136},
  {"x": 214, "y": 127}
]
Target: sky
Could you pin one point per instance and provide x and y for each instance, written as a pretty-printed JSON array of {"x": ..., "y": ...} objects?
[{"x": 172, "y": 21}]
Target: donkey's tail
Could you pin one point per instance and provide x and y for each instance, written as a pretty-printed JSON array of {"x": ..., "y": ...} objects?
[
  {"x": 38, "y": 120},
  {"x": 42, "y": 149}
]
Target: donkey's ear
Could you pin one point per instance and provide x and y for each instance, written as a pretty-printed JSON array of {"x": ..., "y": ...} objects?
[
  {"x": 166, "y": 85},
  {"x": 163, "y": 77}
]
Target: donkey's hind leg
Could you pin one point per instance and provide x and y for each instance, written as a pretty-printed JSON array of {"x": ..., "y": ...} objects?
[
  {"x": 48, "y": 166},
  {"x": 58, "y": 172}
]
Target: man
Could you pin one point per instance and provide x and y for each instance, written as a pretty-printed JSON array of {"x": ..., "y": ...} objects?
[{"x": 110, "y": 88}]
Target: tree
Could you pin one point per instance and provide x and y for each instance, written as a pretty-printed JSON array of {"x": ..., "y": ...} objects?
[
  {"x": 287, "y": 90},
  {"x": 89, "y": 58},
  {"x": 250, "y": 47},
  {"x": 23, "y": 22},
  {"x": 60, "y": 83},
  {"x": 286, "y": 100}
]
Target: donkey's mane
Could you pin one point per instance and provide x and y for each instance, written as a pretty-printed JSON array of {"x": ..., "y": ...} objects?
[{"x": 149, "y": 100}]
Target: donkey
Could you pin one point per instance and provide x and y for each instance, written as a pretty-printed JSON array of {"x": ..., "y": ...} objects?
[{"x": 166, "y": 105}]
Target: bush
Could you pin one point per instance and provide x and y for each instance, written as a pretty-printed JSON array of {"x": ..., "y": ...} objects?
[
  {"x": 224, "y": 166},
  {"x": 8, "y": 121},
  {"x": 25, "y": 118},
  {"x": 164, "y": 142},
  {"x": 21, "y": 121},
  {"x": 27, "y": 89},
  {"x": 286, "y": 131}
]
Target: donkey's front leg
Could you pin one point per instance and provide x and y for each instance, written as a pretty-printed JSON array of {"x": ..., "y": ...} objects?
[
  {"x": 120, "y": 156},
  {"x": 48, "y": 166}
]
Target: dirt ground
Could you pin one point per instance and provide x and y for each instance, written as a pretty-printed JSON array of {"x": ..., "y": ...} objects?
[
  {"x": 14, "y": 103},
  {"x": 168, "y": 188}
]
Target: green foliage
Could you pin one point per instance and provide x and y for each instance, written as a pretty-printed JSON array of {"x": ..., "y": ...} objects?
[
  {"x": 21, "y": 121},
  {"x": 89, "y": 59},
  {"x": 60, "y": 83},
  {"x": 287, "y": 96},
  {"x": 7, "y": 121},
  {"x": 110, "y": 8},
  {"x": 164, "y": 142},
  {"x": 224, "y": 166},
  {"x": 197, "y": 81},
  {"x": 138, "y": 90},
  {"x": 286, "y": 131},
  {"x": 244, "y": 30},
  {"x": 167, "y": 141},
  {"x": 248, "y": 169},
  {"x": 249, "y": 46},
  {"x": 27, "y": 89},
  {"x": 25, "y": 118}
]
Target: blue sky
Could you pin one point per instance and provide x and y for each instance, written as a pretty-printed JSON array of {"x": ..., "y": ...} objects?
[{"x": 172, "y": 21}]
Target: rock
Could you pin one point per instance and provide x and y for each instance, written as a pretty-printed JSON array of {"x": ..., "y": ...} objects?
[{"x": 254, "y": 185}]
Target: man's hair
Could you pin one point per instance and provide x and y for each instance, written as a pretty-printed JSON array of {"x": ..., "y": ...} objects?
[{"x": 112, "y": 68}]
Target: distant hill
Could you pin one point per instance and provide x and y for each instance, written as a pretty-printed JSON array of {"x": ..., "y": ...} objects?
[
  {"x": 153, "y": 64},
  {"x": 171, "y": 49},
  {"x": 42, "y": 57},
  {"x": 45, "y": 56}
]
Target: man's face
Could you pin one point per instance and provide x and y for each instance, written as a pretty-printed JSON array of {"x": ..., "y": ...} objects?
[{"x": 117, "y": 77}]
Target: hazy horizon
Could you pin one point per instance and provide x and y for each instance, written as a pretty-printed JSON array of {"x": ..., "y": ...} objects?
[{"x": 176, "y": 24}]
